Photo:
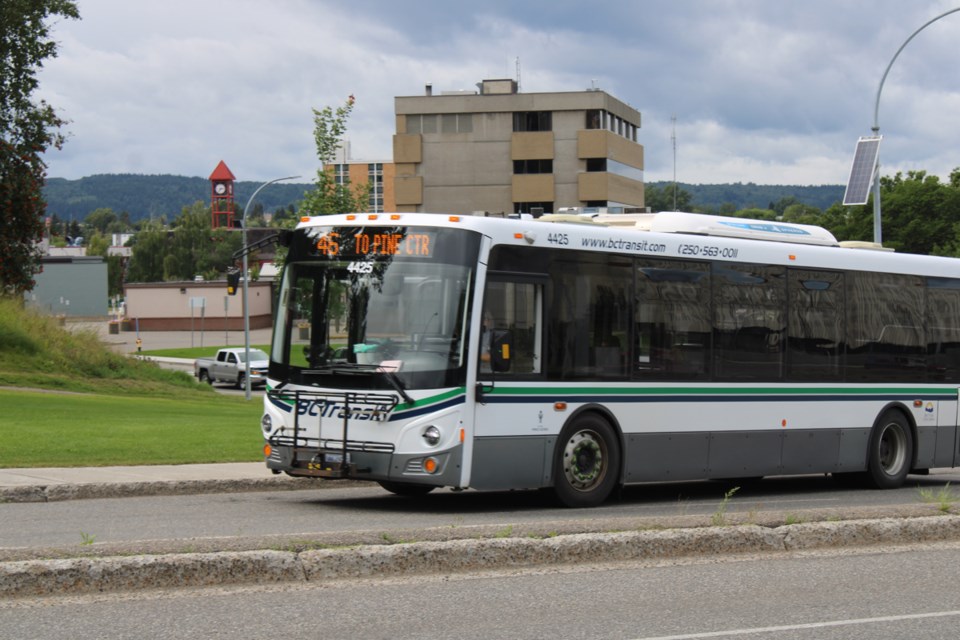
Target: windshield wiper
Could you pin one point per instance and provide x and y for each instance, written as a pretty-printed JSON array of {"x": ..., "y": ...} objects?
[{"x": 351, "y": 369}]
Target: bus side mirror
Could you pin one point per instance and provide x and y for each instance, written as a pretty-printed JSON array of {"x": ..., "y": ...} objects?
[{"x": 500, "y": 344}]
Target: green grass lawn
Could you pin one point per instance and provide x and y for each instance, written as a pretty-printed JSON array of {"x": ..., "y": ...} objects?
[
  {"x": 42, "y": 429},
  {"x": 193, "y": 353},
  {"x": 67, "y": 400}
]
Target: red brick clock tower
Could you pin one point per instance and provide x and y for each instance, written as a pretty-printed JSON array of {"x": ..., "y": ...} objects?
[{"x": 221, "y": 196}]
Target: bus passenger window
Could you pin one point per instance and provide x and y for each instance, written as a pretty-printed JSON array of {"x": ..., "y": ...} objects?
[
  {"x": 672, "y": 323},
  {"x": 515, "y": 308}
]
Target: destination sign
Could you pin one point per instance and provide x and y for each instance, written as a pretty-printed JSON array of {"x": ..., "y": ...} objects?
[{"x": 375, "y": 243}]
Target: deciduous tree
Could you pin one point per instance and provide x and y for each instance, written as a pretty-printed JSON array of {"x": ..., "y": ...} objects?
[
  {"x": 329, "y": 196},
  {"x": 27, "y": 129}
]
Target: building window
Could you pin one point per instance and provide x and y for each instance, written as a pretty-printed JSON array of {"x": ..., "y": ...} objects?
[
  {"x": 596, "y": 164},
  {"x": 341, "y": 173},
  {"x": 456, "y": 123},
  {"x": 594, "y": 119},
  {"x": 533, "y": 121},
  {"x": 449, "y": 123},
  {"x": 532, "y": 166}
]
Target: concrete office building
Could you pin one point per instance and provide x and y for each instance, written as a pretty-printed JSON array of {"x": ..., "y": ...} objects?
[{"x": 499, "y": 150}]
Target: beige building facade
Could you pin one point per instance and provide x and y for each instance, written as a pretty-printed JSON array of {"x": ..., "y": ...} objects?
[
  {"x": 502, "y": 151},
  {"x": 182, "y": 306}
]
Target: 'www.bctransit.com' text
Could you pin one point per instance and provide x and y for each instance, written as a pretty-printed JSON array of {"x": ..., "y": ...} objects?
[{"x": 619, "y": 244}]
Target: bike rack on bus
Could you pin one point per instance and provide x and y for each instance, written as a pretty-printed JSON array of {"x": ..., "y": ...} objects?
[{"x": 320, "y": 460}]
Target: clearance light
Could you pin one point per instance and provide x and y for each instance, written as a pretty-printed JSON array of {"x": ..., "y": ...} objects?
[
  {"x": 463, "y": 435},
  {"x": 304, "y": 218},
  {"x": 559, "y": 406},
  {"x": 267, "y": 450},
  {"x": 454, "y": 218},
  {"x": 792, "y": 257},
  {"x": 918, "y": 403},
  {"x": 351, "y": 217},
  {"x": 430, "y": 465},
  {"x": 372, "y": 216},
  {"x": 395, "y": 216},
  {"x": 518, "y": 236}
]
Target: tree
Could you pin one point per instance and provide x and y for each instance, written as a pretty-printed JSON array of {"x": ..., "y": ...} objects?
[
  {"x": 27, "y": 129},
  {"x": 149, "y": 249},
  {"x": 101, "y": 219},
  {"x": 662, "y": 199},
  {"x": 196, "y": 249},
  {"x": 329, "y": 196}
]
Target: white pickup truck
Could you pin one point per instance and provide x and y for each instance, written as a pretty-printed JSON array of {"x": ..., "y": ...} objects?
[{"x": 228, "y": 366}]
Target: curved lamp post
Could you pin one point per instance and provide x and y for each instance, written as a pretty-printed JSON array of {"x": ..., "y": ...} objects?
[
  {"x": 876, "y": 125},
  {"x": 246, "y": 313}
]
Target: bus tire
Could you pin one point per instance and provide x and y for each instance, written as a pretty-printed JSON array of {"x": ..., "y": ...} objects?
[
  {"x": 586, "y": 462},
  {"x": 408, "y": 489},
  {"x": 891, "y": 451}
]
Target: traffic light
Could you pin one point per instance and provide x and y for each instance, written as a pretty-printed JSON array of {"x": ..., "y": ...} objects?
[{"x": 233, "y": 281}]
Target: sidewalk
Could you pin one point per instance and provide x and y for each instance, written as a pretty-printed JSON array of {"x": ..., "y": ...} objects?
[{"x": 71, "y": 483}]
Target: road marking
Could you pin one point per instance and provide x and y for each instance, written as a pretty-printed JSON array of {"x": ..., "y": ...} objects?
[{"x": 810, "y": 625}]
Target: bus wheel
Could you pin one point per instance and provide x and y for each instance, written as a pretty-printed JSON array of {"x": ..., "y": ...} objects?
[
  {"x": 891, "y": 451},
  {"x": 406, "y": 488},
  {"x": 587, "y": 462}
]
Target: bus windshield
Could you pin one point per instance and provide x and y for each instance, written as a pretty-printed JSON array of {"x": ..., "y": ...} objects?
[{"x": 388, "y": 302}]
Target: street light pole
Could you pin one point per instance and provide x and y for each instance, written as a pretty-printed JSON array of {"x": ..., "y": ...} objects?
[
  {"x": 246, "y": 311},
  {"x": 876, "y": 125}
]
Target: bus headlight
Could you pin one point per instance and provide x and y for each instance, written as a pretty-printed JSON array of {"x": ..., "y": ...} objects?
[
  {"x": 266, "y": 423},
  {"x": 431, "y": 435}
]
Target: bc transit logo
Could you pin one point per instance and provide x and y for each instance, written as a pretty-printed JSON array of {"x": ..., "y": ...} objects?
[{"x": 327, "y": 409}]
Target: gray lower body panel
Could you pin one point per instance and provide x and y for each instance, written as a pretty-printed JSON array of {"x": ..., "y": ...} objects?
[
  {"x": 522, "y": 462},
  {"x": 736, "y": 454}
]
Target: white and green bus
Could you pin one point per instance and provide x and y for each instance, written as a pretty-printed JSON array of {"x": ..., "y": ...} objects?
[{"x": 581, "y": 353}]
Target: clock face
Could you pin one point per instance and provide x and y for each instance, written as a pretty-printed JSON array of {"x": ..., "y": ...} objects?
[{"x": 220, "y": 188}]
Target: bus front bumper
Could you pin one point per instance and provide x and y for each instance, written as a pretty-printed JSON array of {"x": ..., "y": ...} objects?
[{"x": 439, "y": 468}]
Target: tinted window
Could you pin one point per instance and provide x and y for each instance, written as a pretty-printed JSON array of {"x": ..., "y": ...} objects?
[
  {"x": 749, "y": 308},
  {"x": 815, "y": 325}
]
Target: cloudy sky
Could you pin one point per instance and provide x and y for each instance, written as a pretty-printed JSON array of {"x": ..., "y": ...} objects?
[{"x": 765, "y": 91}]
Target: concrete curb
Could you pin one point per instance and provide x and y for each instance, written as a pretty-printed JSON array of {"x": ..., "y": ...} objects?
[
  {"x": 84, "y": 491},
  {"x": 93, "y": 575}
]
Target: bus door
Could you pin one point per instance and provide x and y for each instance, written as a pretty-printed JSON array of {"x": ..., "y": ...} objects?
[{"x": 509, "y": 444}]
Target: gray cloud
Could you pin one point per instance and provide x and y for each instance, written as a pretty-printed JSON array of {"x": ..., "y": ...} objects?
[{"x": 767, "y": 92}]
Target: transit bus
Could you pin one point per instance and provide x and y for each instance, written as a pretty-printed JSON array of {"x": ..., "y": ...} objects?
[{"x": 581, "y": 353}]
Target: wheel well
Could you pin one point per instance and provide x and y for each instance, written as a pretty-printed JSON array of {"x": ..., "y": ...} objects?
[{"x": 898, "y": 407}]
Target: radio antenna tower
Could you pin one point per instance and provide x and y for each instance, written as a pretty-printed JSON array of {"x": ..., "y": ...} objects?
[{"x": 673, "y": 140}]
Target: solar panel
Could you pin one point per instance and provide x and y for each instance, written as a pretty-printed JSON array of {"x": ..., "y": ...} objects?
[{"x": 861, "y": 173}]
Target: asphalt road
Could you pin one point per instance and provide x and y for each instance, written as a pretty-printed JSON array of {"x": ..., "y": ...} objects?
[
  {"x": 370, "y": 509},
  {"x": 878, "y": 594}
]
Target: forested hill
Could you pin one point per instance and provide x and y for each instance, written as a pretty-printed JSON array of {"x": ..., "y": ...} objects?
[
  {"x": 145, "y": 196},
  {"x": 713, "y": 197}
]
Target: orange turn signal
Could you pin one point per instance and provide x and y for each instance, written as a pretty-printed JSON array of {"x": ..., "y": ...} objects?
[
  {"x": 267, "y": 450},
  {"x": 430, "y": 465}
]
